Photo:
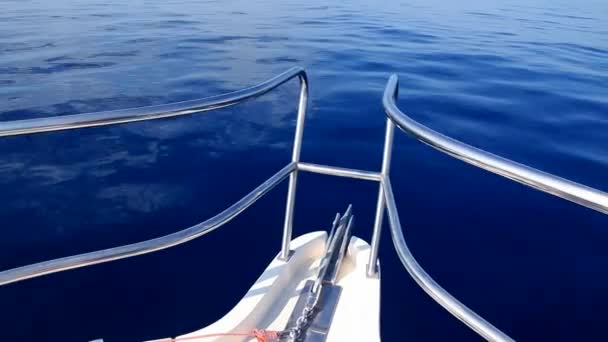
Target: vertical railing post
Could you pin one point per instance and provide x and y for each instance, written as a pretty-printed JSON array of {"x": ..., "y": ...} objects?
[
  {"x": 293, "y": 178},
  {"x": 386, "y": 165}
]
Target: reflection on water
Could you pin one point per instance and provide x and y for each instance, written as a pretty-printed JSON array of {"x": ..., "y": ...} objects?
[{"x": 524, "y": 80}]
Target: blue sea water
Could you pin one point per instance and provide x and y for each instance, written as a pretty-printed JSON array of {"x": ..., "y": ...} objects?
[{"x": 527, "y": 80}]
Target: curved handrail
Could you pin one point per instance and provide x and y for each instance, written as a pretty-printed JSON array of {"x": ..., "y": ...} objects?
[
  {"x": 148, "y": 246},
  {"x": 57, "y": 123},
  {"x": 427, "y": 283},
  {"x": 557, "y": 186},
  {"x": 63, "y": 122}
]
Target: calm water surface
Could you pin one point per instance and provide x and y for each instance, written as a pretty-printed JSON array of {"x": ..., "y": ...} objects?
[{"x": 527, "y": 80}]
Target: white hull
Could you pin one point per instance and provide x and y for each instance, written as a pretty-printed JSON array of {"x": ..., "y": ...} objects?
[{"x": 270, "y": 302}]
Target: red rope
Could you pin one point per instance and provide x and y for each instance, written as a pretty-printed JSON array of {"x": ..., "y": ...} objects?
[{"x": 260, "y": 335}]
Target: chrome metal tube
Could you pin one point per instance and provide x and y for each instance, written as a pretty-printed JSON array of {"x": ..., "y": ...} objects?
[
  {"x": 293, "y": 178},
  {"x": 63, "y": 122},
  {"x": 372, "y": 264},
  {"x": 339, "y": 171},
  {"x": 148, "y": 246},
  {"x": 441, "y": 296},
  {"x": 56, "y": 123},
  {"x": 560, "y": 187}
]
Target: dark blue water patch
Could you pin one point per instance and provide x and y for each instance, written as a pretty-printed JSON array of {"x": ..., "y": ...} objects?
[
  {"x": 566, "y": 16},
  {"x": 9, "y": 70},
  {"x": 171, "y": 24},
  {"x": 179, "y": 22},
  {"x": 508, "y": 34},
  {"x": 322, "y": 40},
  {"x": 317, "y": 8},
  {"x": 103, "y": 15},
  {"x": 283, "y": 59},
  {"x": 111, "y": 28},
  {"x": 58, "y": 58},
  {"x": 484, "y": 14},
  {"x": 441, "y": 72},
  {"x": 581, "y": 48},
  {"x": 271, "y": 39},
  {"x": 341, "y": 17},
  {"x": 174, "y": 55},
  {"x": 116, "y": 54},
  {"x": 403, "y": 34},
  {"x": 66, "y": 66},
  {"x": 25, "y": 47},
  {"x": 217, "y": 39},
  {"x": 140, "y": 40},
  {"x": 311, "y": 22}
]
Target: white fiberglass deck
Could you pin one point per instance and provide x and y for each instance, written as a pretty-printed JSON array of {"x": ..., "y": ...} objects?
[{"x": 270, "y": 301}]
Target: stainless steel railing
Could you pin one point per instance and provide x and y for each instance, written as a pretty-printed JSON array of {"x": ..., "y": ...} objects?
[
  {"x": 57, "y": 123},
  {"x": 575, "y": 192},
  {"x": 560, "y": 187},
  {"x": 148, "y": 246},
  {"x": 63, "y": 122},
  {"x": 427, "y": 283}
]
